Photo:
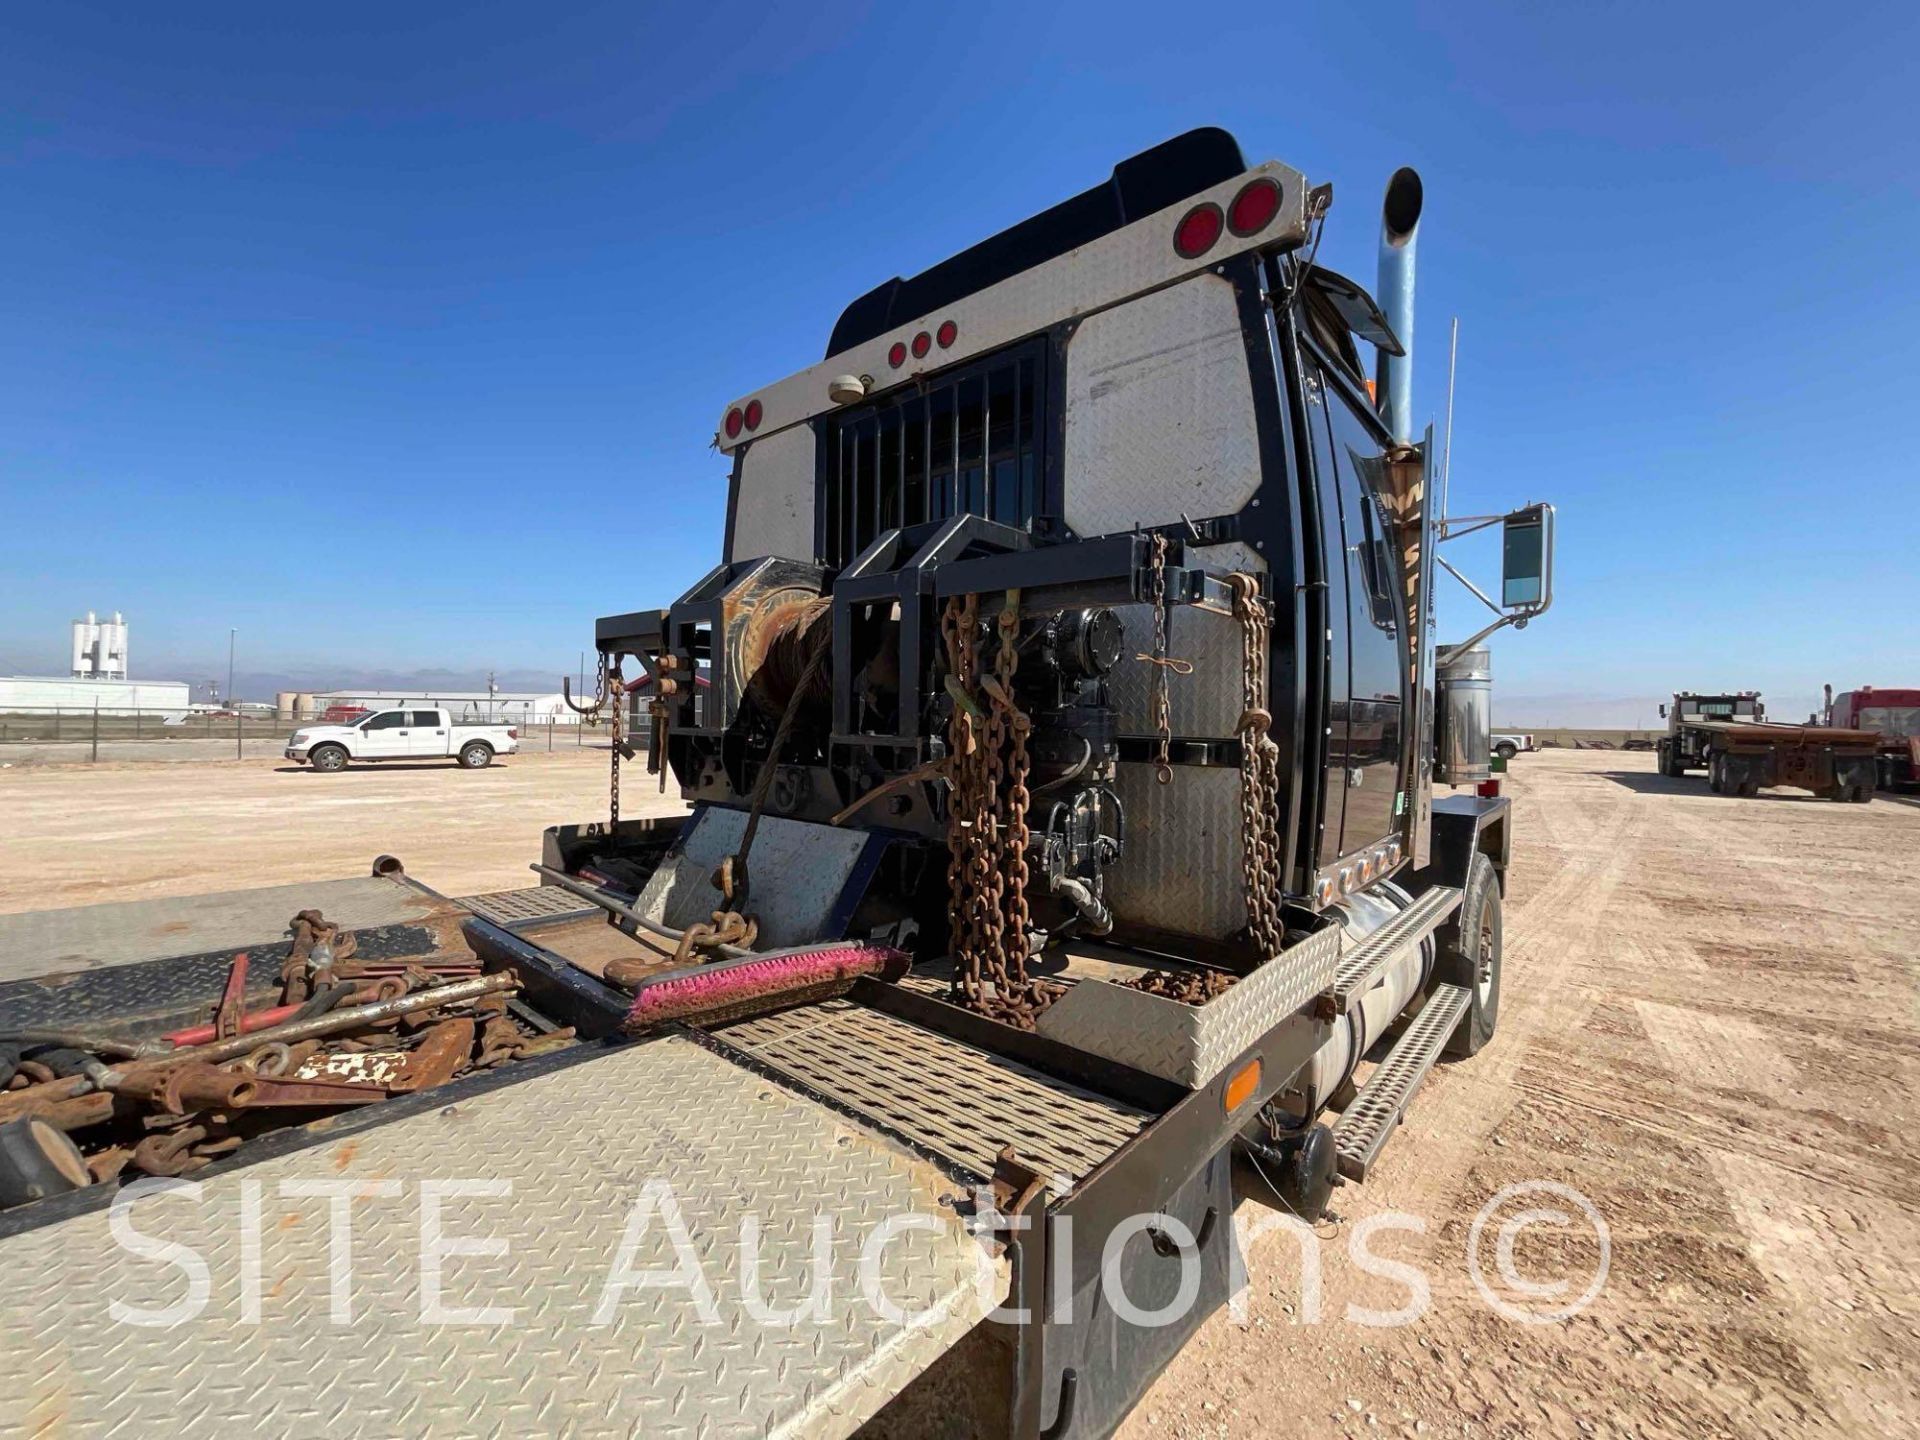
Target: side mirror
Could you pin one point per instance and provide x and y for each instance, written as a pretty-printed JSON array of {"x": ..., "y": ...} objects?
[
  {"x": 1526, "y": 559},
  {"x": 1663, "y": 712}
]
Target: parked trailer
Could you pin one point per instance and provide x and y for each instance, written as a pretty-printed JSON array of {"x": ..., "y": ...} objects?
[
  {"x": 1742, "y": 753},
  {"x": 987, "y": 942}
]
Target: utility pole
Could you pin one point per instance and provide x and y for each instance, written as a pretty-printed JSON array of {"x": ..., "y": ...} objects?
[{"x": 233, "y": 633}]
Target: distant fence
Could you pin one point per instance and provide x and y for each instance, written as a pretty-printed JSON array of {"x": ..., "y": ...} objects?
[{"x": 71, "y": 725}]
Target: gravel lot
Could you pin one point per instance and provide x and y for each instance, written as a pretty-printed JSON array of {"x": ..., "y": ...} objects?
[
  {"x": 1709, "y": 1030},
  {"x": 74, "y": 834}
]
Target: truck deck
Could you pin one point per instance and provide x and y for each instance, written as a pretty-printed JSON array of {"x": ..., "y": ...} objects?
[{"x": 566, "y": 1142}]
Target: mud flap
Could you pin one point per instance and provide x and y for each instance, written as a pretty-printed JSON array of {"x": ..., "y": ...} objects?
[{"x": 1138, "y": 1294}]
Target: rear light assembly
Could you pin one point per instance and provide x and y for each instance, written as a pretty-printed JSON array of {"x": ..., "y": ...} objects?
[
  {"x": 1198, "y": 231},
  {"x": 513, "y": 732},
  {"x": 1254, "y": 208},
  {"x": 736, "y": 418},
  {"x": 922, "y": 344},
  {"x": 754, "y": 414}
]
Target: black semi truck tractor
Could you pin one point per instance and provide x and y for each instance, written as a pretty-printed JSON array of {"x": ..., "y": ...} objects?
[{"x": 1056, "y": 728}]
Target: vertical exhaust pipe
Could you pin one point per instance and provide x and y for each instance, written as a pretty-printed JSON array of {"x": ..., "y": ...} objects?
[{"x": 1399, "y": 232}]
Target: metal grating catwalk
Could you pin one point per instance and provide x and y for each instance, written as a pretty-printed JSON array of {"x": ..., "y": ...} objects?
[{"x": 961, "y": 1103}]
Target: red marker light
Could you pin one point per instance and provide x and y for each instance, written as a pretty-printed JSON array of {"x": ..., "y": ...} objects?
[
  {"x": 754, "y": 414},
  {"x": 1198, "y": 231},
  {"x": 947, "y": 334},
  {"x": 734, "y": 421},
  {"x": 922, "y": 343},
  {"x": 897, "y": 356},
  {"x": 1254, "y": 207}
]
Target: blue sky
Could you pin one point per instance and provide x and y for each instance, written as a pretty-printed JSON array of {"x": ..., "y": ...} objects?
[{"x": 394, "y": 335}]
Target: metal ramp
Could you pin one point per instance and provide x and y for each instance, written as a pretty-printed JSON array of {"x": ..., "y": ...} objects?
[
  {"x": 1359, "y": 969},
  {"x": 1369, "y": 1122},
  {"x": 568, "y": 1151}
]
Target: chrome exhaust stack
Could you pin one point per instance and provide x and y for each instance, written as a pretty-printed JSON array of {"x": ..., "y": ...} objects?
[{"x": 1399, "y": 233}]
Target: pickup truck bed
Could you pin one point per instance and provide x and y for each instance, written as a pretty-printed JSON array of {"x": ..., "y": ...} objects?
[{"x": 576, "y": 1135}]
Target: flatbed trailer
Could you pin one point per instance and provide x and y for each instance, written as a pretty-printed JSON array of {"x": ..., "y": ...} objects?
[
  {"x": 1743, "y": 757},
  {"x": 986, "y": 945}
]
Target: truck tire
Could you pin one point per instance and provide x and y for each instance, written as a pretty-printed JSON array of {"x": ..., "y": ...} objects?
[
  {"x": 1716, "y": 775},
  {"x": 476, "y": 755},
  {"x": 1862, "y": 794},
  {"x": 1506, "y": 750},
  {"x": 1469, "y": 956},
  {"x": 328, "y": 757}
]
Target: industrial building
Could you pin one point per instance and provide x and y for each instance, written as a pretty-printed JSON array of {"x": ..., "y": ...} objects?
[{"x": 96, "y": 680}]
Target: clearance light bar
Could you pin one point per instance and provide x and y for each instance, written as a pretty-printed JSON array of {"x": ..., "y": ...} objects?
[{"x": 1262, "y": 209}]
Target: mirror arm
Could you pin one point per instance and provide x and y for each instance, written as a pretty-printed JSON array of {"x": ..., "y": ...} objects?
[
  {"x": 1476, "y": 591},
  {"x": 1459, "y": 525}
]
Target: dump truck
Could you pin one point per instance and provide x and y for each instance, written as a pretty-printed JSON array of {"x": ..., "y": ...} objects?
[
  {"x": 1892, "y": 714},
  {"x": 1729, "y": 736},
  {"x": 1061, "y": 825}
]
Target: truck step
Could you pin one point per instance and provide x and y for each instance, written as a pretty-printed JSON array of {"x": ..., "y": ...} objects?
[
  {"x": 1369, "y": 1122},
  {"x": 1362, "y": 967}
]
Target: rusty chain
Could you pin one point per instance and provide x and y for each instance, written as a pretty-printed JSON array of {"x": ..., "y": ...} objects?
[
  {"x": 1163, "y": 665},
  {"x": 1019, "y": 765},
  {"x": 988, "y": 913},
  {"x": 1259, "y": 771},
  {"x": 611, "y": 687}
]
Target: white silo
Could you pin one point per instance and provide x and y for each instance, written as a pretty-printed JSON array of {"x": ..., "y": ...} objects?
[
  {"x": 86, "y": 644},
  {"x": 112, "y": 663}
]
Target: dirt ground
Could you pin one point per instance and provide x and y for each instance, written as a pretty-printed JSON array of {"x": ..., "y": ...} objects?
[
  {"x": 75, "y": 834},
  {"x": 1709, "y": 1029}
]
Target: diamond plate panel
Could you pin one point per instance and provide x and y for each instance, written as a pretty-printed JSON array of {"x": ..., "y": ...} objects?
[
  {"x": 799, "y": 870},
  {"x": 960, "y": 1102},
  {"x": 1181, "y": 870},
  {"x": 155, "y": 995},
  {"x": 1160, "y": 419},
  {"x": 1190, "y": 1044},
  {"x": 773, "y": 514},
  {"x": 1207, "y": 702},
  {"x": 577, "y": 1145}
]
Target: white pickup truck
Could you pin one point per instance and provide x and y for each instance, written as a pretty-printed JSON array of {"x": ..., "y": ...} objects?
[
  {"x": 401, "y": 735},
  {"x": 1507, "y": 744}
]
